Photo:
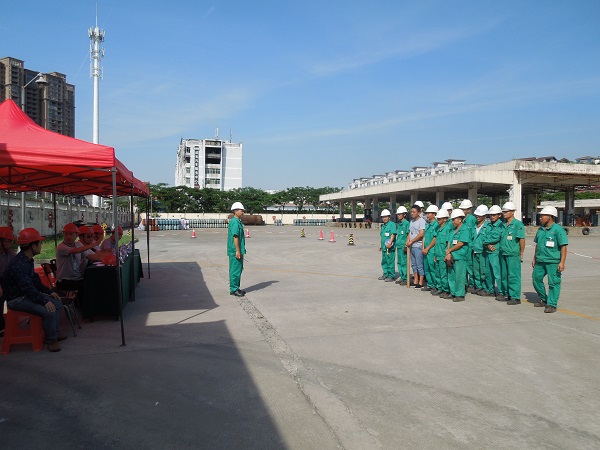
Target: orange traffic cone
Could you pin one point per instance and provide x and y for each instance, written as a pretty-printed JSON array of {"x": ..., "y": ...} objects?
[
  {"x": 247, "y": 233},
  {"x": 332, "y": 237},
  {"x": 193, "y": 233},
  {"x": 320, "y": 235}
]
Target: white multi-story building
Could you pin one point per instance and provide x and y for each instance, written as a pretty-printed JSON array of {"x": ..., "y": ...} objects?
[{"x": 209, "y": 163}]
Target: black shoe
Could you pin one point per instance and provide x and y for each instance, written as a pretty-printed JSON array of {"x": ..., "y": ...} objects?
[
  {"x": 426, "y": 289},
  {"x": 540, "y": 304},
  {"x": 487, "y": 294},
  {"x": 237, "y": 293},
  {"x": 435, "y": 292},
  {"x": 417, "y": 286},
  {"x": 458, "y": 299},
  {"x": 382, "y": 277},
  {"x": 513, "y": 302},
  {"x": 502, "y": 298},
  {"x": 242, "y": 291},
  {"x": 388, "y": 280},
  {"x": 549, "y": 309},
  {"x": 445, "y": 295}
]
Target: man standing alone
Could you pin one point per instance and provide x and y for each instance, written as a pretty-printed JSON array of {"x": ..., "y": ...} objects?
[{"x": 236, "y": 249}]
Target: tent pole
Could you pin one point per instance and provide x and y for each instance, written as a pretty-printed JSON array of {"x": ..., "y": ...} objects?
[
  {"x": 117, "y": 261},
  {"x": 148, "y": 232},
  {"x": 55, "y": 220},
  {"x": 133, "y": 261}
]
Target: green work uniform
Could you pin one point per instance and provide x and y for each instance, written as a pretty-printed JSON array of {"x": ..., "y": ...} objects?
[
  {"x": 492, "y": 258},
  {"x": 510, "y": 259},
  {"x": 388, "y": 230},
  {"x": 457, "y": 272},
  {"x": 428, "y": 261},
  {"x": 440, "y": 247},
  {"x": 402, "y": 231},
  {"x": 470, "y": 222},
  {"x": 549, "y": 242},
  {"x": 479, "y": 264},
  {"x": 236, "y": 266}
]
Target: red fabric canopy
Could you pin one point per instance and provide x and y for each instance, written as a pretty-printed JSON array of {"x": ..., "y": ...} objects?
[{"x": 35, "y": 159}]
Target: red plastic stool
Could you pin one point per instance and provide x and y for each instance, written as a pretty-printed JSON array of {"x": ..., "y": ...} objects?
[{"x": 33, "y": 335}]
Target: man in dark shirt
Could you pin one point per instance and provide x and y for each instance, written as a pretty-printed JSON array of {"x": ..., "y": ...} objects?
[{"x": 24, "y": 290}]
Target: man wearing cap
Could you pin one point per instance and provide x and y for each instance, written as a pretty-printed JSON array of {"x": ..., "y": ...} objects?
[
  {"x": 456, "y": 256},
  {"x": 69, "y": 274},
  {"x": 512, "y": 247},
  {"x": 387, "y": 233},
  {"x": 110, "y": 244},
  {"x": 24, "y": 290},
  {"x": 402, "y": 230},
  {"x": 469, "y": 222},
  {"x": 441, "y": 245},
  {"x": 91, "y": 255},
  {"x": 428, "y": 242},
  {"x": 479, "y": 266},
  {"x": 549, "y": 259},
  {"x": 236, "y": 249},
  {"x": 98, "y": 234},
  {"x": 7, "y": 253},
  {"x": 491, "y": 242}
]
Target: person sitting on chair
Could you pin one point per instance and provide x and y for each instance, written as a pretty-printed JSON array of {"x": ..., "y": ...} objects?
[
  {"x": 92, "y": 255},
  {"x": 7, "y": 253},
  {"x": 111, "y": 243}
]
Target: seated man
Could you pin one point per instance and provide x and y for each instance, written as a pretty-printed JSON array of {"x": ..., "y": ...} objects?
[
  {"x": 92, "y": 255},
  {"x": 6, "y": 255},
  {"x": 111, "y": 244},
  {"x": 69, "y": 276},
  {"x": 24, "y": 290}
]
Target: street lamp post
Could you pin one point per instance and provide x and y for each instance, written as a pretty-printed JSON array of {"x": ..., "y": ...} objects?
[{"x": 41, "y": 81}]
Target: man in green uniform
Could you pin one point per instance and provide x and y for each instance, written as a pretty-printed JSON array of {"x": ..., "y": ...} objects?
[
  {"x": 549, "y": 259},
  {"x": 491, "y": 253},
  {"x": 439, "y": 253},
  {"x": 512, "y": 246},
  {"x": 401, "y": 233},
  {"x": 479, "y": 266},
  {"x": 428, "y": 253},
  {"x": 469, "y": 222},
  {"x": 458, "y": 250},
  {"x": 387, "y": 247},
  {"x": 236, "y": 249}
]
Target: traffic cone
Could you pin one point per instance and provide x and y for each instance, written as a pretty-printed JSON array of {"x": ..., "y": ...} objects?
[
  {"x": 302, "y": 234},
  {"x": 351, "y": 239},
  {"x": 193, "y": 233},
  {"x": 320, "y": 235},
  {"x": 332, "y": 237},
  {"x": 247, "y": 233}
]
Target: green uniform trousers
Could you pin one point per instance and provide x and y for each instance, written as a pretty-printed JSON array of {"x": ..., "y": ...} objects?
[
  {"x": 492, "y": 272},
  {"x": 470, "y": 270},
  {"x": 402, "y": 263},
  {"x": 442, "y": 276},
  {"x": 510, "y": 276},
  {"x": 430, "y": 272},
  {"x": 387, "y": 263},
  {"x": 236, "y": 266},
  {"x": 554, "y": 280},
  {"x": 479, "y": 271},
  {"x": 457, "y": 278}
]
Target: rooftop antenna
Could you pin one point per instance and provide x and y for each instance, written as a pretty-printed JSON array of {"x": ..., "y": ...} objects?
[
  {"x": 217, "y": 133},
  {"x": 96, "y": 36},
  {"x": 230, "y": 135}
]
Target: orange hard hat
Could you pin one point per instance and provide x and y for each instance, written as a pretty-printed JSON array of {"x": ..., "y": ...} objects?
[
  {"x": 84, "y": 229},
  {"x": 70, "y": 228},
  {"x": 29, "y": 235},
  {"x": 7, "y": 233},
  {"x": 98, "y": 229}
]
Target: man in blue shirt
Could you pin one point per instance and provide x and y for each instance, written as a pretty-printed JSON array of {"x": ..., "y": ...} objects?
[{"x": 24, "y": 290}]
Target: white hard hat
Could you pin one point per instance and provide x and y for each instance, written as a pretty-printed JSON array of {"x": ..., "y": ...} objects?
[
  {"x": 465, "y": 204},
  {"x": 419, "y": 203},
  {"x": 401, "y": 210},
  {"x": 432, "y": 209},
  {"x": 442, "y": 214},
  {"x": 457, "y": 213},
  {"x": 509, "y": 206},
  {"x": 385, "y": 212},
  {"x": 237, "y": 205},
  {"x": 481, "y": 210},
  {"x": 550, "y": 211},
  {"x": 447, "y": 205},
  {"x": 495, "y": 209}
]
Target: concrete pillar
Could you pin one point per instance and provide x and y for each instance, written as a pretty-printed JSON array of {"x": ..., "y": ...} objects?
[
  {"x": 439, "y": 198},
  {"x": 341, "y": 211},
  {"x": 472, "y": 195},
  {"x": 569, "y": 206},
  {"x": 413, "y": 198},
  {"x": 353, "y": 210},
  {"x": 375, "y": 209},
  {"x": 515, "y": 195},
  {"x": 530, "y": 210},
  {"x": 392, "y": 204},
  {"x": 496, "y": 200}
]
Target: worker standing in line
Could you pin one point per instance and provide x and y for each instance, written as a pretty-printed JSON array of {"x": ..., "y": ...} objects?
[
  {"x": 549, "y": 259},
  {"x": 402, "y": 230},
  {"x": 414, "y": 241},
  {"x": 428, "y": 243},
  {"x": 512, "y": 247},
  {"x": 236, "y": 249},
  {"x": 456, "y": 255},
  {"x": 491, "y": 253},
  {"x": 439, "y": 253},
  {"x": 479, "y": 266},
  {"x": 387, "y": 247},
  {"x": 469, "y": 222}
]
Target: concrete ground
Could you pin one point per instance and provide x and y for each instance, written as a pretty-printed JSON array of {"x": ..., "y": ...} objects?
[{"x": 318, "y": 355}]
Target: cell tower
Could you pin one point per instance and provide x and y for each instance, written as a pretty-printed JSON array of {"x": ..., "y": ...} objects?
[{"x": 96, "y": 54}]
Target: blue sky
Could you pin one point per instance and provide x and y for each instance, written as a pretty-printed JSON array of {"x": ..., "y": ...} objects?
[{"x": 320, "y": 92}]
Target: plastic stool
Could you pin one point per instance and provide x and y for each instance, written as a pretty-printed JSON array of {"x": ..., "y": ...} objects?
[{"x": 33, "y": 335}]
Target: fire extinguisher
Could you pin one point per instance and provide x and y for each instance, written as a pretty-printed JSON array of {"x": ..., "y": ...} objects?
[{"x": 50, "y": 220}]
